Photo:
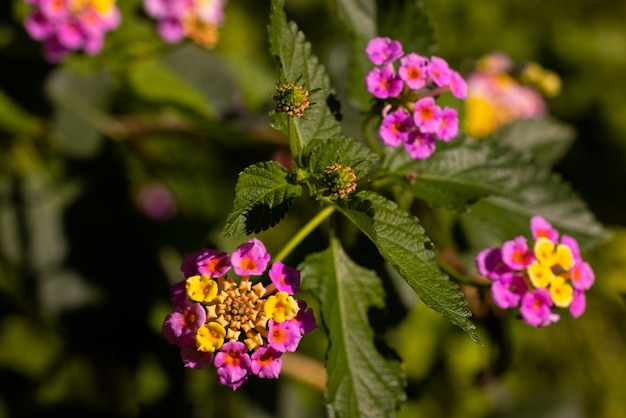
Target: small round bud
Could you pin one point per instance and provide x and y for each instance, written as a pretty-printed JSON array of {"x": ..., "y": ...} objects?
[
  {"x": 291, "y": 99},
  {"x": 339, "y": 180}
]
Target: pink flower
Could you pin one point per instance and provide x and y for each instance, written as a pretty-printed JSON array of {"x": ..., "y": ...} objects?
[
  {"x": 427, "y": 115},
  {"x": 266, "y": 362},
  {"x": 449, "y": 126},
  {"x": 180, "y": 327},
  {"x": 285, "y": 278},
  {"x": 250, "y": 258},
  {"x": 284, "y": 336},
  {"x": 383, "y": 51},
  {"x": 579, "y": 303},
  {"x": 38, "y": 26},
  {"x": 305, "y": 319},
  {"x": 582, "y": 276},
  {"x": 542, "y": 228},
  {"x": 516, "y": 255},
  {"x": 508, "y": 291},
  {"x": 395, "y": 127},
  {"x": 178, "y": 294},
  {"x": 214, "y": 263},
  {"x": 439, "y": 71},
  {"x": 233, "y": 364},
  {"x": 536, "y": 306},
  {"x": 457, "y": 84},
  {"x": 70, "y": 35},
  {"x": 420, "y": 145},
  {"x": 383, "y": 83},
  {"x": 414, "y": 70}
]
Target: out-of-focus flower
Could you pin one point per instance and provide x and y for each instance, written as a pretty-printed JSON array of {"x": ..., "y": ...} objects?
[
  {"x": 411, "y": 116},
  {"x": 198, "y": 20},
  {"x": 64, "y": 26},
  {"x": 498, "y": 93},
  {"x": 240, "y": 328},
  {"x": 540, "y": 278}
]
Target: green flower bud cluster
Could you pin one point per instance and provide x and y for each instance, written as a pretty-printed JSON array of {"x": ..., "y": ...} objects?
[
  {"x": 339, "y": 180},
  {"x": 292, "y": 99}
]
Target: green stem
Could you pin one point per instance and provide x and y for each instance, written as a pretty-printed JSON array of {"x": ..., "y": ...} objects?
[
  {"x": 304, "y": 232},
  {"x": 458, "y": 277},
  {"x": 294, "y": 138}
]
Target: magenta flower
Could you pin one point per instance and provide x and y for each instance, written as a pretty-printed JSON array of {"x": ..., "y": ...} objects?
[
  {"x": 180, "y": 327},
  {"x": 449, "y": 126},
  {"x": 178, "y": 294},
  {"x": 508, "y": 291},
  {"x": 414, "y": 70},
  {"x": 439, "y": 71},
  {"x": 490, "y": 264},
  {"x": 457, "y": 84},
  {"x": 285, "y": 278},
  {"x": 420, "y": 145},
  {"x": 427, "y": 115},
  {"x": 383, "y": 51},
  {"x": 233, "y": 364},
  {"x": 582, "y": 276},
  {"x": 395, "y": 127},
  {"x": 266, "y": 362},
  {"x": 579, "y": 303},
  {"x": 516, "y": 255},
  {"x": 535, "y": 308},
  {"x": 195, "y": 359},
  {"x": 284, "y": 336},
  {"x": 305, "y": 319},
  {"x": 383, "y": 83},
  {"x": 250, "y": 258}
]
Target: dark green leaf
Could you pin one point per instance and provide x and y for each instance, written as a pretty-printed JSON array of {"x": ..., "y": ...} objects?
[
  {"x": 361, "y": 383},
  {"x": 547, "y": 140},
  {"x": 263, "y": 196},
  {"x": 296, "y": 63},
  {"x": 345, "y": 151},
  {"x": 461, "y": 172},
  {"x": 406, "y": 247}
]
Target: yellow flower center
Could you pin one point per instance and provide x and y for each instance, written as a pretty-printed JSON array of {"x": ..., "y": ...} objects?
[
  {"x": 201, "y": 288},
  {"x": 281, "y": 307},
  {"x": 561, "y": 292},
  {"x": 540, "y": 275},
  {"x": 210, "y": 337}
]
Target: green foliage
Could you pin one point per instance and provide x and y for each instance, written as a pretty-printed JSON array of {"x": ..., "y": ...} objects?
[
  {"x": 296, "y": 64},
  {"x": 361, "y": 383},
  {"x": 404, "y": 245},
  {"x": 264, "y": 194}
]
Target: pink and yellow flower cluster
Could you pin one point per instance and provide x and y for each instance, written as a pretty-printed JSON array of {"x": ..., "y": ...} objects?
[
  {"x": 239, "y": 327},
  {"x": 538, "y": 279},
  {"x": 71, "y": 25},
  {"x": 499, "y": 93},
  {"x": 410, "y": 115},
  {"x": 197, "y": 20}
]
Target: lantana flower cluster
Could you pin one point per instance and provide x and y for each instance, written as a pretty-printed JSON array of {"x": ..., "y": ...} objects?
[
  {"x": 198, "y": 20},
  {"x": 64, "y": 26},
  {"x": 411, "y": 116},
  {"x": 221, "y": 318},
  {"x": 539, "y": 278},
  {"x": 499, "y": 92}
]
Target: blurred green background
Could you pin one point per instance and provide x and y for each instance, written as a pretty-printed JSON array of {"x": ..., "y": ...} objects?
[{"x": 112, "y": 167}]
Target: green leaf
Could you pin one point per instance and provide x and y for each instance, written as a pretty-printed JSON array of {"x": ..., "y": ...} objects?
[
  {"x": 79, "y": 110},
  {"x": 540, "y": 192},
  {"x": 296, "y": 63},
  {"x": 263, "y": 196},
  {"x": 158, "y": 84},
  {"x": 14, "y": 119},
  {"x": 341, "y": 150},
  {"x": 461, "y": 172},
  {"x": 547, "y": 140},
  {"x": 406, "y": 247},
  {"x": 361, "y": 383}
]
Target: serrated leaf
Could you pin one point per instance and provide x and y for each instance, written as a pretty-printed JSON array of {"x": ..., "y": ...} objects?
[
  {"x": 361, "y": 383},
  {"x": 547, "y": 140},
  {"x": 342, "y": 150},
  {"x": 462, "y": 172},
  {"x": 542, "y": 193},
  {"x": 405, "y": 246},
  {"x": 296, "y": 63},
  {"x": 263, "y": 196},
  {"x": 158, "y": 84}
]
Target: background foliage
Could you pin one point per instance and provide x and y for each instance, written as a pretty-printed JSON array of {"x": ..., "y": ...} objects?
[{"x": 85, "y": 265}]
